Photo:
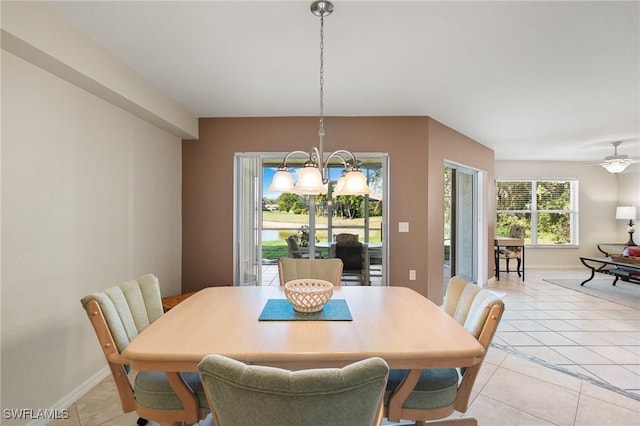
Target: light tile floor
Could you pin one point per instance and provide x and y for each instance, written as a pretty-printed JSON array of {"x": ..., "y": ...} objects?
[{"x": 559, "y": 358}]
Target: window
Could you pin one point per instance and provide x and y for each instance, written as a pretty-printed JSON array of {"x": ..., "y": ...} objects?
[{"x": 548, "y": 209}]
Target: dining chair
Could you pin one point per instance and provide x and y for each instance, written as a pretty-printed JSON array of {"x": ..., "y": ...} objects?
[
  {"x": 322, "y": 269},
  {"x": 118, "y": 314},
  {"x": 436, "y": 393},
  {"x": 508, "y": 253},
  {"x": 295, "y": 252},
  {"x": 242, "y": 395},
  {"x": 354, "y": 256}
]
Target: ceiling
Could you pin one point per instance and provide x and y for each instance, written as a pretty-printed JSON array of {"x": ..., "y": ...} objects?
[{"x": 532, "y": 80}]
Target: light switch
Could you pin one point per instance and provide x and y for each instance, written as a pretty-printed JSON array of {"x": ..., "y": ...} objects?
[
  {"x": 412, "y": 274},
  {"x": 403, "y": 226}
]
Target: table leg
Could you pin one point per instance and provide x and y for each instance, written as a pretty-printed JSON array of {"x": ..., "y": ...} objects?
[
  {"x": 593, "y": 272},
  {"x": 522, "y": 262}
]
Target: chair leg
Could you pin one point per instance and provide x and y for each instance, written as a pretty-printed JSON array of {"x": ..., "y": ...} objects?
[
  {"x": 519, "y": 262},
  {"x": 141, "y": 421},
  {"x": 506, "y": 260}
]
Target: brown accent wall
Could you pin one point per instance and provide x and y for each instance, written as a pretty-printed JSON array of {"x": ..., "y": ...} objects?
[{"x": 417, "y": 147}]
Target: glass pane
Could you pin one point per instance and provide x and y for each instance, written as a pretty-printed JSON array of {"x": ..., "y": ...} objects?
[
  {"x": 513, "y": 195},
  {"x": 554, "y": 228},
  {"x": 247, "y": 219},
  {"x": 553, "y": 195}
]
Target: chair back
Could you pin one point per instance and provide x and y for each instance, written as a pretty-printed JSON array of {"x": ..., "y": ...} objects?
[
  {"x": 118, "y": 314},
  {"x": 351, "y": 256},
  {"x": 516, "y": 231},
  {"x": 323, "y": 269},
  {"x": 480, "y": 315},
  {"x": 354, "y": 256},
  {"x": 293, "y": 248},
  {"x": 241, "y": 394},
  {"x": 346, "y": 238},
  {"x": 458, "y": 298},
  {"x": 437, "y": 393}
]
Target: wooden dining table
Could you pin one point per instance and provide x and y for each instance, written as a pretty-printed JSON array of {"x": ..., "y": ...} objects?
[{"x": 397, "y": 324}]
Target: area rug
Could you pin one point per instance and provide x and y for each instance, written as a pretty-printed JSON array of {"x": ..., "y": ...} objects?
[{"x": 623, "y": 293}]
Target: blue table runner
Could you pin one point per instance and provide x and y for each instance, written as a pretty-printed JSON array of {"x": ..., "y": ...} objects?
[{"x": 282, "y": 310}]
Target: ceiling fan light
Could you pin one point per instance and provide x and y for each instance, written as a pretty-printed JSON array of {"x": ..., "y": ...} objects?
[{"x": 616, "y": 165}]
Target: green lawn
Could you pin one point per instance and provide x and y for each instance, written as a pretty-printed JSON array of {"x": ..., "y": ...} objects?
[{"x": 277, "y": 249}]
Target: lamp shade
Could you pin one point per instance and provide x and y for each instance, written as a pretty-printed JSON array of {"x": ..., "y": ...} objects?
[
  {"x": 339, "y": 184},
  {"x": 282, "y": 181},
  {"x": 310, "y": 181},
  {"x": 626, "y": 212},
  {"x": 354, "y": 183}
]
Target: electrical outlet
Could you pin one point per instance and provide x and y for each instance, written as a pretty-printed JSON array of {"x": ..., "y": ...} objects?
[
  {"x": 403, "y": 226},
  {"x": 412, "y": 274}
]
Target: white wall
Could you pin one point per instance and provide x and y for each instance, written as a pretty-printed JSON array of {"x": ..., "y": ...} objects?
[
  {"x": 91, "y": 196},
  {"x": 599, "y": 194}
]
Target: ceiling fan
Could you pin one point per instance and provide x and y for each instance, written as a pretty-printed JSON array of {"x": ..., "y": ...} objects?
[{"x": 616, "y": 163}]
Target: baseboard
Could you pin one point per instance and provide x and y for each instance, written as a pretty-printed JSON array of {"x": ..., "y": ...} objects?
[{"x": 74, "y": 396}]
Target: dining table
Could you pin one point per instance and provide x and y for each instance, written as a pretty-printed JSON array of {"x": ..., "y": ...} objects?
[{"x": 397, "y": 324}]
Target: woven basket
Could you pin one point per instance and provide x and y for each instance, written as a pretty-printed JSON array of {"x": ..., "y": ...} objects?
[{"x": 308, "y": 295}]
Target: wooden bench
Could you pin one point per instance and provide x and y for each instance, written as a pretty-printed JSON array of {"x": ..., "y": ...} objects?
[{"x": 171, "y": 301}]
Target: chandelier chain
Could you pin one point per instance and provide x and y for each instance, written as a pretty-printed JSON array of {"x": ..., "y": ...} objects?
[{"x": 321, "y": 74}]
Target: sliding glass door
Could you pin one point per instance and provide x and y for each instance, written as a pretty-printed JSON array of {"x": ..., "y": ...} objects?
[
  {"x": 461, "y": 222},
  {"x": 263, "y": 221},
  {"x": 247, "y": 207}
]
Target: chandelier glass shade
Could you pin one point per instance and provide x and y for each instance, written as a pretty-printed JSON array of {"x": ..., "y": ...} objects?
[{"x": 313, "y": 176}]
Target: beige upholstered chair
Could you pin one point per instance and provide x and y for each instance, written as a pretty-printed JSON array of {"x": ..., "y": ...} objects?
[
  {"x": 322, "y": 269},
  {"x": 242, "y": 395},
  {"x": 118, "y": 314},
  {"x": 508, "y": 253},
  {"x": 437, "y": 393}
]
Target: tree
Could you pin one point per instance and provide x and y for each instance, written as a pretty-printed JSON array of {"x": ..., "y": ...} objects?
[{"x": 287, "y": 200}]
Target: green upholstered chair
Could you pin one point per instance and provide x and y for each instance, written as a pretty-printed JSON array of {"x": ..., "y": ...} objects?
[
  {"x": 322, "y": 269},
  {"x": 118, "y": 314},
  {"x": 437, "y": 393},
  {"x": 242, "y": 395}
]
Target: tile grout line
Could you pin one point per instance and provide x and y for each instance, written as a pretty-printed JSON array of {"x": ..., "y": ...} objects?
[{"x": 600, "y": 383}]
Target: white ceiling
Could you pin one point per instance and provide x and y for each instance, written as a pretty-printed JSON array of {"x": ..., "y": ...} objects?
[{"x": 532, "y": 80}]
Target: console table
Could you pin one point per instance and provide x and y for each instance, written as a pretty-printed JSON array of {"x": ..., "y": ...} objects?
[{"x": 604, "y": 265}]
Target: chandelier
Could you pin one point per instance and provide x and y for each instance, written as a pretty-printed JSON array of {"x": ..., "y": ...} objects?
[{"x": 313, "y": 177}]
